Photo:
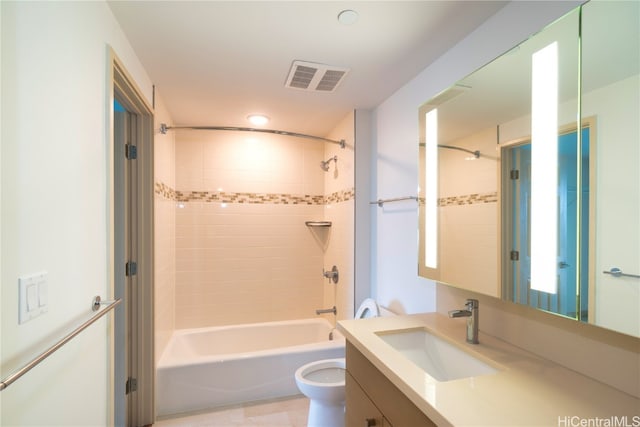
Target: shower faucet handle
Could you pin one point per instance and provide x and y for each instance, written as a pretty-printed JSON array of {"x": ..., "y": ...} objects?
[{"x": 332, "y": 274}]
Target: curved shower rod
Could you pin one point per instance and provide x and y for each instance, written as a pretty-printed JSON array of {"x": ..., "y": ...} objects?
[
  {"x": 476, "y": 153},
  {"x": 164, "y": 128}
]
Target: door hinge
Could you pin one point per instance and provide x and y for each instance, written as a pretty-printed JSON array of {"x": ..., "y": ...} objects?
[
  {"x": 515, "y": 256},
  {"x": 132, "y": 385},
  {"x": 131, "y": 151},
  {"x": 131, "y": 268},
  {"x": 514, "y": 174}
]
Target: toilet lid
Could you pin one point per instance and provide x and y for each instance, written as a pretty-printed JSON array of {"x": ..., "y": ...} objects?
[{"x": 368, "y": 308}]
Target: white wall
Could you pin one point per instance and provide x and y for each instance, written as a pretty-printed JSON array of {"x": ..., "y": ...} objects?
[
  {"x": 54, "y": 202},
  {"x": 363, "y": 231},
  {"x": 616, "y": 109},
  {"x": 395, "y": 281}
]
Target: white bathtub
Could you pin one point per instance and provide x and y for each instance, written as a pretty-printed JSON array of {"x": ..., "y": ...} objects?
[{"x": 210, "y": 367}]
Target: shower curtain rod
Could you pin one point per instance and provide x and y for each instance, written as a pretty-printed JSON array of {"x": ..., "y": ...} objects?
[
  {"x": 164, "y": 128},
  {"x": 453, "y": 147}
]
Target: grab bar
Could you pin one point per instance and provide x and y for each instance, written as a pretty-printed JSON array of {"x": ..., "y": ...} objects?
[
  {"x": 26, "y": 368},
  {"x": 616, "y": 272},
  {"x": 381, "y": 202}
]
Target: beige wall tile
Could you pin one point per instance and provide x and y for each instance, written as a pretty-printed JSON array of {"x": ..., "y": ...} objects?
[
  {"x": 255, "y": 262},
  {"x": 164, "y": 239}
]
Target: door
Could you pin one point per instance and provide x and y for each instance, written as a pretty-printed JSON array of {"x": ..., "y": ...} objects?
[
  {"x": 571, "y": 298},
  {"x": 121, "y": 182},
  {"x": 125, "y": 130},
  {"x": 132, "y": 254}
]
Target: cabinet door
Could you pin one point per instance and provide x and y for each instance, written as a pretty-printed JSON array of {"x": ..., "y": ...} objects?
[
  {"x": 360, "y": 410},
  {"x": 386, "y": 397}
]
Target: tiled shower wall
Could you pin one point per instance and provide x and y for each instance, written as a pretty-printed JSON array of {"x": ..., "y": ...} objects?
[
  {"x": 164, "y": 235},
  {"x": 243, "y": 253},
  {"x": 468, "y": 209}
]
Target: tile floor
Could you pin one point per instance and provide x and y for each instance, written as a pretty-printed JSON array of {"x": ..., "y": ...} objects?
[{"x": 290, "y": 412}]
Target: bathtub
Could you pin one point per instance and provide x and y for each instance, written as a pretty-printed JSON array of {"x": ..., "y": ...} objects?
[{"x": 210, "y": 367}]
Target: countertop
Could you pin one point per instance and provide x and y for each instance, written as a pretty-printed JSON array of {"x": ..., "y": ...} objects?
[{"x": 526, "y": 391}]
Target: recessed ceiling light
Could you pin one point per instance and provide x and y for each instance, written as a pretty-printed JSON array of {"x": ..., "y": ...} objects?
[
  {"x": 348, "y": 17},
  {"x": 258, "y": 119}
]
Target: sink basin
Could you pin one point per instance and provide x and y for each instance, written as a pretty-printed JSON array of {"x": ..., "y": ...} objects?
[{"x": 438, "y": 358}]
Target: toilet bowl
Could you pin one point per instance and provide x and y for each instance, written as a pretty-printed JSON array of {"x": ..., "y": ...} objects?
[{"x": 322, "y": 382}]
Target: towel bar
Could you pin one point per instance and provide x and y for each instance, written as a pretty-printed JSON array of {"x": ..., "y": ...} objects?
[{"x": 33, "y": 363}]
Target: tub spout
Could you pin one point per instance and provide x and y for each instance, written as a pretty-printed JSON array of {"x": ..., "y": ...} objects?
[{"x": 327, "y": 310}]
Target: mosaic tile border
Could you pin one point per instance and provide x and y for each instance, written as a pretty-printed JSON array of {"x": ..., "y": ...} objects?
[
  {"x": 469, "y": 199},
  {"x": 167, "y": 192}
]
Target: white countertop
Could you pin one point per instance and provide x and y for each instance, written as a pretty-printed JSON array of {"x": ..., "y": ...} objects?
[{"x": 526, "y": 391}]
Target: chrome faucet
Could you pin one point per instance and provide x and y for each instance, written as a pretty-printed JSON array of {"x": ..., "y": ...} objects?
[{"x": 471, "y": 313}]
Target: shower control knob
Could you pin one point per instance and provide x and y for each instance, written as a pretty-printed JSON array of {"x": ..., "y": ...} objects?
[{"x": 332, "y": 274}]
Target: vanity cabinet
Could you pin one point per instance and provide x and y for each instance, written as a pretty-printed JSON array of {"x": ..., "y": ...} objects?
[
  {"x": 373, "y": 401},
  {"x": 360, "y": 410}
]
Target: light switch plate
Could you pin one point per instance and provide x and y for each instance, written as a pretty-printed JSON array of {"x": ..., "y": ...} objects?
[{"x": 32, "y": 296}]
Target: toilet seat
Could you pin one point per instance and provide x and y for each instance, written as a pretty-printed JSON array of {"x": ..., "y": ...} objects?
[
  {"x": 311, "y": 373},
  {"x": 327, "y": 386},
  {"x": 368, "y": 308}
]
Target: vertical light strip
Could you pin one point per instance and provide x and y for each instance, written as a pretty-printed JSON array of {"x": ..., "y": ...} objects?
[
  {"x": 431, "y": 190},
  {"x": 579, "y": 198},
  {"x": 544, "y": 169}
]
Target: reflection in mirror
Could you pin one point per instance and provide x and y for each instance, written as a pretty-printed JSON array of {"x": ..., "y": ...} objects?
[
  {"x": 462, "y": 193},
  {"x": 480, "y": 167},
  {"x": 540, "y": 203},
  {"x": 611, "y": 95},
  {"x": 569, "y": 294}
]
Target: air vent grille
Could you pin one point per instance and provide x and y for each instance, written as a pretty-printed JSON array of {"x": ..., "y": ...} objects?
[
  {"x": 302, "y": 77},
  {"x": 314, "y": 77},
  {"x": 330, "y": 80}
]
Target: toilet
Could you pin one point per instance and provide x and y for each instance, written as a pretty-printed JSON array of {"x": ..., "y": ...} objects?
[{"x": 322, "y": 381}]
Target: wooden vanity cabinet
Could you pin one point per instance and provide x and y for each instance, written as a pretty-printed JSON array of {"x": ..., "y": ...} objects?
[
  {"x": 360, "y": 410},
  {"x": 373, "y": 401}
]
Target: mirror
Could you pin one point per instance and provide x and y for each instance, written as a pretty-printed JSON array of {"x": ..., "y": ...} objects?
[{"x": 546, "y": 224}]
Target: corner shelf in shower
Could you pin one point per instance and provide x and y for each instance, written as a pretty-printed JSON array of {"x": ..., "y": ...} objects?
[{"x": 318, "y": 223}]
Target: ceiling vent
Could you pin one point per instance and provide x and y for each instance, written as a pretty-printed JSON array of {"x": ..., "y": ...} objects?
[{"x": 314, "y": 77}]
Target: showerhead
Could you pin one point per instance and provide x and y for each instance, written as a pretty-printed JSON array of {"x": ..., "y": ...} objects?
[{"x": 325, "y": 163}]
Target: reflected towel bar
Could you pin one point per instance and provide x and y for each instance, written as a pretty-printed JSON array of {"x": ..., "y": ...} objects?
[
  {"x": 616, "y": 272},
  {"x": 26, "y": 368},
  {"x": 381, "y": 202}
]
